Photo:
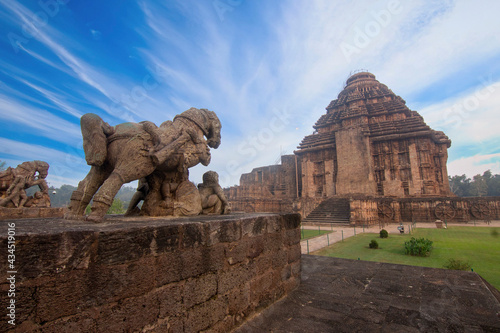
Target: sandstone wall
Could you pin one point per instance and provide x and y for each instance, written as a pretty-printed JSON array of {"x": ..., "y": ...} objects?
[
  {"x": 453, "y": 209},
  {"x": 158, "y": 275}
]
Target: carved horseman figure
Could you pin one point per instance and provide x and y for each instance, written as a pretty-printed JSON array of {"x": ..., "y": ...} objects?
[
  {"x": 131, "y": 151},
  {"x": 15, "y": 181}
]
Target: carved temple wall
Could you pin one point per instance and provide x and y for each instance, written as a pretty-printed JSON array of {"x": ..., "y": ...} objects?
[
  {"x": 451, "y": 209},
  {"x": 136, "y": 274}
]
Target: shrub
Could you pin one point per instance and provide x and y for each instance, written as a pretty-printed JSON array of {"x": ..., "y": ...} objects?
[
  {"x": 373, "y": 244},
  {"x": 418, "y": 247},
  {"x": 457, "y": 264},
  {"x": 384, "y": 233}
]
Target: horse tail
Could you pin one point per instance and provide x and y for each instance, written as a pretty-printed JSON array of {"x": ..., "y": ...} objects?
[{"x": 95, "y": 134}]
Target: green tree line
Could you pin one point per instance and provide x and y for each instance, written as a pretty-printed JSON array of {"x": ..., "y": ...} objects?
[{"x": 483, "y": 185}]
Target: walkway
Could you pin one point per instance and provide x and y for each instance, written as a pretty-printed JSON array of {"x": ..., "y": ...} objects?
[
  {"x": 342, "y": 295},
  {"x": 342, "y": 232}
]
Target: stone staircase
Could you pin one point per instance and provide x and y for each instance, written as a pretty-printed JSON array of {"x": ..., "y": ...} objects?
[{"x": 332, "y": 210}]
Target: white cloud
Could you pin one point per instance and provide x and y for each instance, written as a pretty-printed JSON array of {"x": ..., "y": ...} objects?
[
  {"x": 469, "y": 118},
  {"x": 474, "y": 165}
]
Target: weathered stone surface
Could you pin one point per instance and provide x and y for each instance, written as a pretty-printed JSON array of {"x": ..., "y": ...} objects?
[
  {"x": 135, "y": 274},
  {"x": 159, "y": 157},
  {"x": 14, "y": 182},
  {"x": 341, "y": 295}
]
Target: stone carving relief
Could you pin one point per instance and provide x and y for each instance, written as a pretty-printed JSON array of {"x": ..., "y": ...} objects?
[
  {"x": 15, "y": 182},
  {"x": 159, "y": 157}
]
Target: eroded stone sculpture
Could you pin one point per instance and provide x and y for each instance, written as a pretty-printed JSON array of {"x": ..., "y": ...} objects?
[
  {"x": 213, "y": 200},
  {"x": 14, "y": 182},
  {"x": 159, "y": 156}
]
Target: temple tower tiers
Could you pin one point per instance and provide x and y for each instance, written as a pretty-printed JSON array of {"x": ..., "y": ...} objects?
[{"x": 368, "y": 143}]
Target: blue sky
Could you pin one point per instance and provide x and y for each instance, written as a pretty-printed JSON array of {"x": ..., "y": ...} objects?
[{"x": 267, "y": 68}]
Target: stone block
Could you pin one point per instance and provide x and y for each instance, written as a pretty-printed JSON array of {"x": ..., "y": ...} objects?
[
  {"x": 200, "y": 289},
  {"x": 194, "y": 262},
  {"x": 273, "y": 242},
  {"x": 255, "y": 247},
  {"x": 111, "y": 246},
  {"x": 169, "y": 298},
  {"x": 222, "y": 232},
  {"x": 279, "y": 259},
  {"x": 263, "y": 263},
  {"x": 294, "y": 253},
  {"x": 205, "y": 315},
  {"x": 254, "y": 227},
  {"x": 168, "y": 268},
  {"x": 292, "y": 237},
  {"x": 192, "y": 235},
  {"x": 234, "y": 277},
  {"x": 239, "y": 300},
  {"x": 115, "y": 282},
  {"x": 274, "y": 225},
  {"x": 129, "y": 315},
  {"x": 261, "y": 289},
  {"x": 291, "y": 221},
  {"x": 296, "y": 268}
]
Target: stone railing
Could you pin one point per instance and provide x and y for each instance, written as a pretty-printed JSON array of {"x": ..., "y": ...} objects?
[{"x": 156, "y": 274}]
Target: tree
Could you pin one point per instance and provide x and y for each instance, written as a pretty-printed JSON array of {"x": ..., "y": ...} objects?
[
  {"x": 117, "y": 207},
  {"x": 479, "y": 187},
  {"x": 460, "y": 185},
  {"x": 2, "y": 165}
]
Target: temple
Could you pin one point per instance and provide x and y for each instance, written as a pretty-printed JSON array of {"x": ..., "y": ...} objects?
[{"x": 368, "y": 144}]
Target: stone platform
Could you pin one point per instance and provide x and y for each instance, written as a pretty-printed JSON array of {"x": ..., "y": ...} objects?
[
  {"x": 30, "y": 212},
  {"x": 342, "y": 295},
  {"x": 147, "y": 274}
]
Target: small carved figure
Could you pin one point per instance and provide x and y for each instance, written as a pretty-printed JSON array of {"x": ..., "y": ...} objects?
[
  {"x": 139, "y": 195},
  {"x": 213, "y": 200},
  {"x": 39, "y": 199},
  {"x": 16, "y": 181},
  {"x": 131, "y": 151}
]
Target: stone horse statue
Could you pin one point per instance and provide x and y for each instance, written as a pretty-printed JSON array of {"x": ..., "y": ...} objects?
[
  {"x": 14, "y": 182},
  {"x": 132, "y": 151}
]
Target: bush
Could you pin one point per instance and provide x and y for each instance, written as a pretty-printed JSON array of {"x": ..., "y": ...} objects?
[
  {"x": 373, "y": 244},
  {"x": 418, "y": 247},
  {"x": 458, "y": 265},
  {"x": 384, "y": 233}
]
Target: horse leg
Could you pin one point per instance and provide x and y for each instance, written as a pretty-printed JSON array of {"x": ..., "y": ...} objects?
[
  {"x": 104, "y": 197},
  {"x": 85, "y": 191}
]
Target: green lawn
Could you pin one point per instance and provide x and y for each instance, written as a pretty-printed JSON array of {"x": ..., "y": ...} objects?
[
  {"x": 306, "y": 233},
  {"x": 477, "y": 245}
]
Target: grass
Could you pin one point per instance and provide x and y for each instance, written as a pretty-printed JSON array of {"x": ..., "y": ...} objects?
[
  {"x": 479, "y": 246},
  {"x": 307, "y": 233}
]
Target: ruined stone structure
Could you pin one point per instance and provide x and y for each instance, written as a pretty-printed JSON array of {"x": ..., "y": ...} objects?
[{"x": 369, "y": 144}]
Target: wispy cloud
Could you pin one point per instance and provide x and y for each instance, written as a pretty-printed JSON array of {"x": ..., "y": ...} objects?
[{"x": 40, "y": 122}]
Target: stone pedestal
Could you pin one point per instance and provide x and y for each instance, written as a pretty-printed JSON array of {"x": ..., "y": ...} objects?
[{"x": 154, "y": 274}]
